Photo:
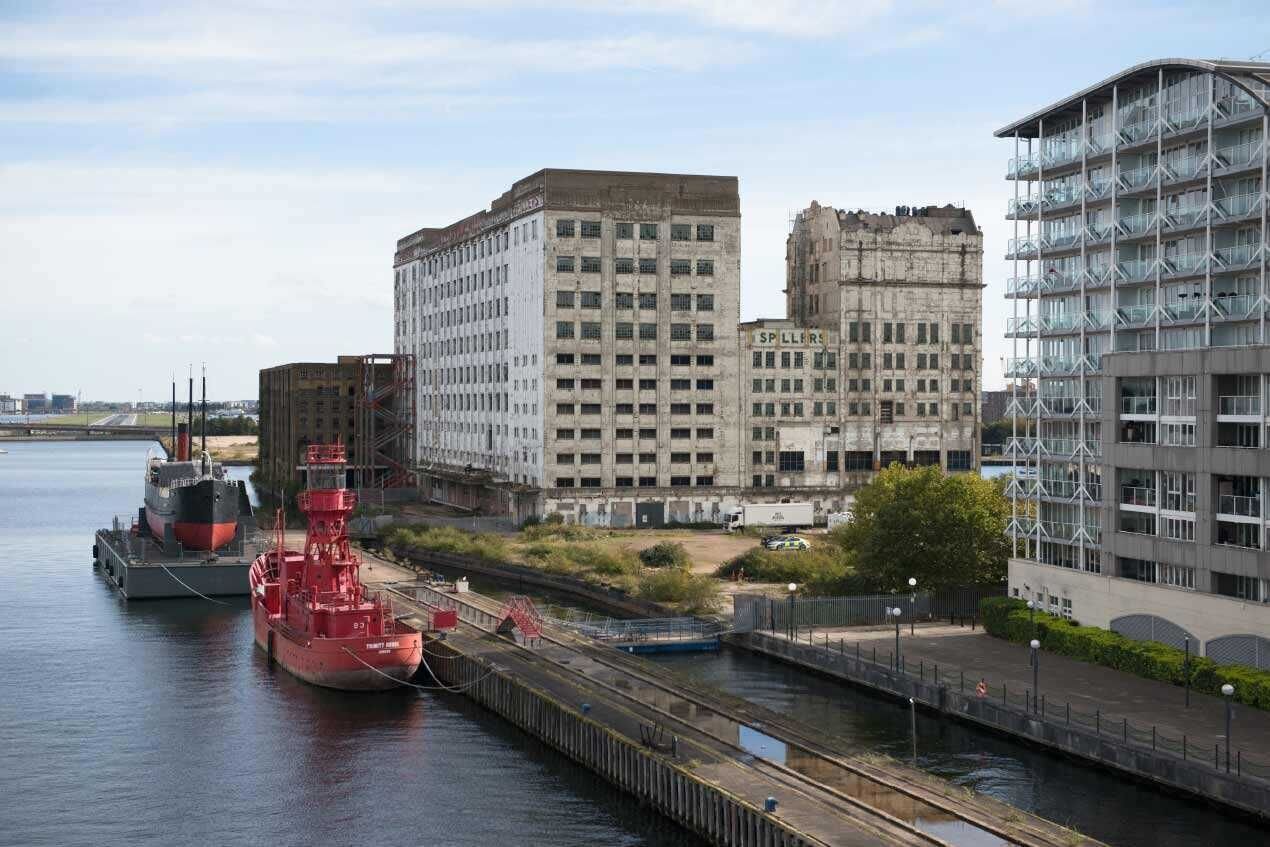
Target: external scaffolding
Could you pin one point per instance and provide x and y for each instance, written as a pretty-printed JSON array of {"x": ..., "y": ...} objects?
[{"x": 385, "y": 447}]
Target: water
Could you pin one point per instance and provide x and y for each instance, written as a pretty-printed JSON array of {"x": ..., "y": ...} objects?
[
  {"x": 160, "y": 723},
  {"x": 1117, "y": 811}
]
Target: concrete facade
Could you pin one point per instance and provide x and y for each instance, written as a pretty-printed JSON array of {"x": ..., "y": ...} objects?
[
  {"x": 1140, "y": 307},
  {"x": 902, "y": 296},
  {"x": 577, "y": 340}
]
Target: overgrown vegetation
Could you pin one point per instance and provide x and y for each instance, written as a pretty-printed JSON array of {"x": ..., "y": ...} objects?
[
  {"x": 445, "y": 539},
  {"x": 1007, "y": 617},
  {"x": 665, "y": 554},
  {"x": 688, "y": 592},
  {"x": 820, "y": 570}
]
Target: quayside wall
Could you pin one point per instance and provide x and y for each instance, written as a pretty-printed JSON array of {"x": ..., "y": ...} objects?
[
  {"x": 670, "y": 788},
  {"x": 1245, "y": 794}
]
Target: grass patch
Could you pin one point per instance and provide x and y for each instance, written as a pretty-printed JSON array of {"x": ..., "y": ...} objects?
[
  {"x": 690, "y": 593},
  {"x": 818, "y": 570},
  {"x": 445, "y": 539}
]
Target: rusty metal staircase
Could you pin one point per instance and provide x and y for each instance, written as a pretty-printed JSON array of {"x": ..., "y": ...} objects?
[{"x": 519, "y": 613}]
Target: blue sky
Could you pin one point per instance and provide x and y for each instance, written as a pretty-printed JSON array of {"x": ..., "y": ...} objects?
[{"x": 225, "y": 182}]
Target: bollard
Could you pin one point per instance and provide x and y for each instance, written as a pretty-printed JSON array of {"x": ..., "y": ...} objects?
[
  {"x": 875, "y": 653},
  {"x": 842, "y": 646},
  {"x": 769, "y": 805}
]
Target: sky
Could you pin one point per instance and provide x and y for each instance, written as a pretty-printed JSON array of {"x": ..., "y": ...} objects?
[{"x": 225, "y": 182}]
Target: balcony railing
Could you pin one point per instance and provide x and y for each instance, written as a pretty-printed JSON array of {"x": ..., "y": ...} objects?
[
  {"x": 1132, "y": 495},
  {"x": 1022, "y": 165},
  {"x": 1137, "y": 178},
  {"x": 1246, "y": 405},
  {"x": 1234, "y": 104},
  {"x": 1136, "y": 270},
  {"x": 1184, "y": 114},
  {"x": 1137, "y": 405},
  {"x": 1185, "y": 263},
  {"x": 1055, "y": 280},
  {"x": 1022, "y": 207},
  {"x": 1239, "y": 506},
  {"x": 1063, "y": 489},
  {"x": 1131, "y": 225},
  {"x": 1021, "y": 366},
  {"x": 1184, "y": 310},
  {"x": 1022, "y": 286},
  {"x": 1026, "y": 247},
  {"x": 1137, "y": 315},
  {"x": 1239, "y": 205},
  {"x": 1138, "y": 130},
  {"x": 1097, "y": 188},
  {"x": 1058, "y": 239},
  {"x": 1237, "y": 307},
  {"x": 1238, "y": 155},
  {"x": 1023, "y": 325},
  {"x": 1185, "y": 216},
  {"x": 1184, "y": 168},
  {"x": 1237, "y": 254},
  {"x": 1060, "y": 151},
  {"x": 1062, "y": 195}
]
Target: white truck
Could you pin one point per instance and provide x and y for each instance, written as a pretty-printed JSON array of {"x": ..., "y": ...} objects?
[{"x": 787, "y": 516}]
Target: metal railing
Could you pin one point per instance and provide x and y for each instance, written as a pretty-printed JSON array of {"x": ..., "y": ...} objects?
[
  {"x": 1239, "y": 506},
  {"x": 1239, "y": 205},
  {"x": 1133, "y": 495},
  {"x": 786, "y": 614},
  {"x": 1137, "y": 405},
  {"x": 1248, "y": 405}
]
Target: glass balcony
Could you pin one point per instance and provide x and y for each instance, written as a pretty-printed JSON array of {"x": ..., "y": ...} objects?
[
  {"x": 1060, "y": 447},
  {"x": 1137, "y": 405},
  {"x": 1239, "y": 155},
  {"x": 1239, "y": 205},
  {"x": 1022, "y": 286},
  {"x": 1237, "y": 506},
  {"x": 1062, "y": 195},
  {"x": 1022, "y": 366},
  {"x": 1060, "y": 407},
  {"x": 1236, "y": 307},
  {"x": 1093, "y": 447},
  {"x": 1139, "y": 130},
  {"x": 1061, "y": 489},
  {"x": 1059, "y": 364},
  {"x": 1100, "y": 319},
  {"x": 1023, "y": 248},
  {"x": 1098, "y": 144},
  {"x": 1054, "y": 280},
  {"x": 1021, "y": 326},
  {"x": 1060, "y": 239},
  {"x": 1097, "y": 188},
  {"x": 1185, "y": 216},
  {"x": 1181, "y": 114},
  {"x": 1022, "y": 166},
  {"x": 1131, "y": 225},
  {"x": 1137, "y": 496},
  {"x": 1234, "y": 105},
  {"x": 1239, "y": 404},
  {"x": 1185, "y": 167},
  {"x": 1021, "y": 445},
  {"x": 1188, "y": 310},
  {"x": 1022, "y": 207},
  {"x": 1098, "y": 275},
  {"x": 1060, "y": 531},
  {"x": 1060, "y": 322},
  {"x": 1137, "y": 178},
  {"x": 1062, "y": 151},
  {"x": 1184, "y": 263},
  {"x": 1237, "y": 255},
  {"x": 1136, "y": 270},
  {"x": 1137, "y": 315}
]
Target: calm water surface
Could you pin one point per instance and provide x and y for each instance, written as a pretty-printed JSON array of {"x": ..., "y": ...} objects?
[{"x": 159, "y": 723}]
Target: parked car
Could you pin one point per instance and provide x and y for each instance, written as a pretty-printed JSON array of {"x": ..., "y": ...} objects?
[{"x": 787, "y": 542}]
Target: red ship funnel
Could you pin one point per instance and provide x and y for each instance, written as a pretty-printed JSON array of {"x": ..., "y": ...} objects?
[{"x": 182, "y": 442}]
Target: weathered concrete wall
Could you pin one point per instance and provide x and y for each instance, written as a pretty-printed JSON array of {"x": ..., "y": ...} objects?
[
  {"x": 1244, "y": 793},
  {"x": 672, "y": 789}
]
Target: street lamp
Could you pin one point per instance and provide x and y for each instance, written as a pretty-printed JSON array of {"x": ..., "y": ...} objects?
[
  {"x": 1228, "y": 691},
  {"x": 912, "y": 605},
  {"x": 895, "y": 613},
  {"x": 1031, "y": 615},
  {"x": 1036, "y": 672},
  {"x": 793, "y": 586}
]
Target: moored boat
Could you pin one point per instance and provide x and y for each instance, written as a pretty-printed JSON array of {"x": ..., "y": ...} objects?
[{"x": 310, "y": 612}]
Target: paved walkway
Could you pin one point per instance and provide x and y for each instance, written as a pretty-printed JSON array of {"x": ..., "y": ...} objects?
[{"x": 1087, "y": 687}]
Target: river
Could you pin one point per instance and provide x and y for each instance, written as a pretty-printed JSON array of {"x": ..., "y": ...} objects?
[{"x": 160, "y": 723}]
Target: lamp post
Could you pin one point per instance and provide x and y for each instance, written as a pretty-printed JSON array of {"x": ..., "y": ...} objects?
[
  {"x": 1186, "y": 669},
  {"x": 895, "y": 613},
  {"x": 789, "y": 629},
  {"x": 1036, "y": 673},
  {"x": 912, "y": 605},
  {"x": 1228, "y": 691},
  {"x": 1031, "y": 615}
]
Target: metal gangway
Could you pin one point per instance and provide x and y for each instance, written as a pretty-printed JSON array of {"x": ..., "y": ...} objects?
[{"x": 640, "y": 635}]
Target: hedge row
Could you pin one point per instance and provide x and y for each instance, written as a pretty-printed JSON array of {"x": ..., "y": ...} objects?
[{"x": 1007, "y": 617}]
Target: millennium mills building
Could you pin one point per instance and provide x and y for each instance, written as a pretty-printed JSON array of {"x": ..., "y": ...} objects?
[
  {"x": 579, "y": 351},
  {"x": 1139, "y": 306}
]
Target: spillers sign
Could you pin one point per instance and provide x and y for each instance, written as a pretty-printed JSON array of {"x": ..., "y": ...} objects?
[{"x": 790, "y": 337}]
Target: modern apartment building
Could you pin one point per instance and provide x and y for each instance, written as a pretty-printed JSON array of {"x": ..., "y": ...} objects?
[
  {"x": 898, "y": 302},
  {"x": 1139, "y": 305},
  {"x": 577, "y": 339}
]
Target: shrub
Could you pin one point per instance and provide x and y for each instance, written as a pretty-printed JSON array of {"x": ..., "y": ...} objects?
[
  {"x": 692, "y": 593},
  {"x": 665, "y": 554},
  {"x": 818, "y": 565},
  {"x": 559, "y": 557},
  {"x": 1007, "y": 617},
  {"x": 561, "y": 531},
  {"x": 445, "y": 539}
]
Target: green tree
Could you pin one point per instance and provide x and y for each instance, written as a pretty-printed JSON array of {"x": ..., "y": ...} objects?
[{"x": 943, "y": 529}]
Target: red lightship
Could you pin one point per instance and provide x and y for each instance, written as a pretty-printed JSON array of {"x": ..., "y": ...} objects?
[{"x": 310, "y": 611}]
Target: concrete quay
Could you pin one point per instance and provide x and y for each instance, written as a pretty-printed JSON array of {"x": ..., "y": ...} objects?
[
  {"x": 705, "y": 760},
  {"x": 1112, "y": 694}
]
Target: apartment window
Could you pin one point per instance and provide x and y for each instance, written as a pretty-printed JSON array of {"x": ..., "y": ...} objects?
[
  {"x": 648, "y": 408},
  {"x": 623, "y": 384},
  {"x": 680, "y": 332},
  {"x": 590, "y": 434},
  {"x": 921, "y": 360},
  {"x": 624, "y": 459},
  {"x": 564, "y": 482},
  {"x": 705, "y": 267},
  {"x": 886, "y": 333},
  {"x": 681, "y": 432},
  {"x": 680, "y": 232},
  {"x": 887, "y": 411},
  {"x": 899, "y": 333},
  {"x": 705, "y": 232},
  {"x": 624, "y": 409},
  {"x": 853, "y": 334},
  {"x": 705, "y": 432},
  {"x": 1177, "y": 576},
  {"x": 564, "y": 229},
  {"x": 649, "y": 359},
  {"x": 648, "y": 266},
  {"x": 648, "y": 482},
  {"x": 888, "y": 363},
  {"x": 769, "y": 360},
  {"x": 956, "y": 333},
  {"x": 680, "y": 384},
  {"x": 967, "y": 334},
  {"x": 564, "y": 263},
  {"x": 623, "y": 330},
  {"x": 1178, "y": 529},
  {"x": 705, "y": 361},
  {"x": 705, "y": 481},
  {"x": 680, "y": 267},
  {"x": 623, "y": 265},
  {"x": 680, "y": 458},
  {"x": 956, "y": 362},
  {"x": 681, "y": 408},
  {"x": 934, "y": 333},
  {"x": 624, "y": 300},
  {"x": 648, "y": 332},
  {"x": 705, "y": 385},
  {"x": 624, "y": 433},
  {"x": 624, "y": 230},
  {"x": 564, "y": 358},
  {"x": 798, "y": 359},
  {"x": 705, "y": 458},
  {"x": 624, "y": 360},
  {"x": 648, "y": 232},
  {"x": 564, "y": 299},
  {"x": 590, "y": 229},
  {"x": 590, "y": 458},
  {"x": 591, "y": 384},
  {"x": 681, "y": 302},
  {"x": 648, "y": 301},
  {"x": 564, "y": 384},
  {"x": 921, "y": 333},
  {"x": 1177, "y": 435},
  {"x": 934, "y": 361},
  {"x": 853, "y": 361},
  {"x": 564, "y": 329},
  {"x": 705, "y": 332},
  {"x": 591, "y": 330},
  {"x": 590, "y": 264},
  {"x": 564, "y": 458},
  {"x": 899, "y": 361},
  {"x": 680, "y": 481},
  {"x": 564, "y": 434}
]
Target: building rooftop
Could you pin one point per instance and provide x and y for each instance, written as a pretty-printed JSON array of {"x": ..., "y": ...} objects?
[
  {"x": 944, "y": 220},
  {"x": 1253, "y": 77}
]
